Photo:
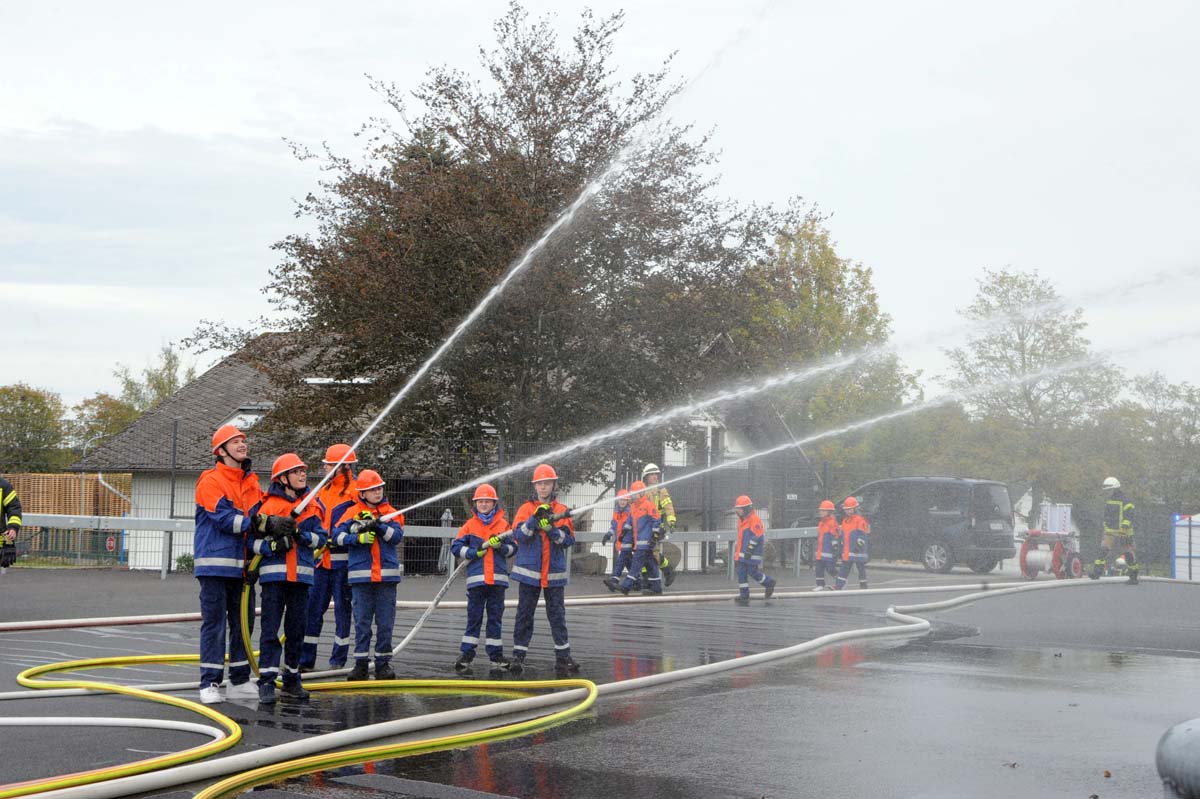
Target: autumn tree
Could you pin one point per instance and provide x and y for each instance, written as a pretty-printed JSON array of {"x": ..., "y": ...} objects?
[
  {"x": 607, "y": 321},
  {"x": 32, "y": 430}
]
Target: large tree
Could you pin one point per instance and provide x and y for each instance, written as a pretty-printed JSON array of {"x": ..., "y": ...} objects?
[
  {"x": 606, "y": 321},
  {"x": 32, "y": 430}
]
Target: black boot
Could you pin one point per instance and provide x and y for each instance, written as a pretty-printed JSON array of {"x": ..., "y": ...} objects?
[
  {"x": 769, "y": 590},
  {"x": 564, "y": 667},
  {"x": 668, "y": 573},
  {"x": 611, "y": 584},
  {"x": 295, "y": 691},
  {"x": 359, "y": 672},
  {"x": 384, "y": 670},
  {"x": 517, "y": 664},
  {"x": 500, "y": 663},
  {"x": 742, "y": 600},
  {"x": 464, "y": 662}
]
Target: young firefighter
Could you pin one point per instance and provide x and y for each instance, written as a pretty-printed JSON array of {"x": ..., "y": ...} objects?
[
  {"x": 479, "y": 543},
  {"x": 652, "y": 476},
  {"x": 751, "y": 541},
  {"x": 829, "y": 536},
  {"x": 540, "y": 568},
  {"x": 644, "y": 517},
  {"x": 620, "y": 532},
  {"x": 227, "y": 498},
  {"x": 286, "y": 572},
  {"x": 374, "y": 571},
  {"x": 329, "y": 580},
  {"x": 855, "y": 535}
]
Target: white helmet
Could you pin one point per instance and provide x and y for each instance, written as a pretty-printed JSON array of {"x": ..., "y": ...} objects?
[
  {"x": 1111, "y": 482},
  {"x": 650, "y": 468}
]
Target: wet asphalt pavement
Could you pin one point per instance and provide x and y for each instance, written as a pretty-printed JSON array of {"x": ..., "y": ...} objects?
[{"x": 1037, "y": 693}]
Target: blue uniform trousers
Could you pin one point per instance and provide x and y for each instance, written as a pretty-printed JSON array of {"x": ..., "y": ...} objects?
[
  {"x": 374, "y": 602},
  {"x": 622, "y": 561},
  {"x": 745, "y": 569},
  {"x": 644, "y": 558},
  {"x": 220, "y": 615},
  {"x": 823, "y": 567},
  {"x": 556, "y": 613},
  {"x": 327, "y": 584},
  {"x": 479, "y": 599},
  {"x": 288, "y": 603},
  {"x": 844, "y": 572}
]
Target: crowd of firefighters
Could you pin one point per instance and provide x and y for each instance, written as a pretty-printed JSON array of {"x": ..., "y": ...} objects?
[{"x": 341, "y": 546}]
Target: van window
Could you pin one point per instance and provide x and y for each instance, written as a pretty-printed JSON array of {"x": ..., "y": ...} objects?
[
  {"x": 942, "y": 498},
  {"x": 991, "y": 501},
  {"x": 869, "y": 500}
]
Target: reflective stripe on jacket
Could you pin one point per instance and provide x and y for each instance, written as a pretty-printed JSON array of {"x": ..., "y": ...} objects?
[
  {"x": 492, "y": 568},
  {"x": 379, "y": 561},
  {"x": 227, "y": 497},
  {"x": 646, "y": 522},
  {"x": 295, "y": 565},
  {"x": 662, "y": 504},
  {"x": 621, "y": 528},
  {"x": 541, "y": 557},
  {"x": 10, "y": 505},
  {"x": 1118, "y": 515},
  {"x": 828, "y": 532},
  {"x": 751, "y": 538},
  {"x": 854, "y": 530}
]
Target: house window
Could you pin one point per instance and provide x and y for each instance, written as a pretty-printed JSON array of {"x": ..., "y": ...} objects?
[{"x": 249, "y": 415}]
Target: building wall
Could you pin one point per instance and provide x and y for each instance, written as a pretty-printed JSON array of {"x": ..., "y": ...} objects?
[{"x": 151, "y": 497}]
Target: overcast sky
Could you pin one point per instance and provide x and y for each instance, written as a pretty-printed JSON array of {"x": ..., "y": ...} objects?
[{"x": 144, "y": 176}]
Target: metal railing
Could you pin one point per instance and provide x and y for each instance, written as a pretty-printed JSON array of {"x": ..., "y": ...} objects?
[{"x": 169, "y": 546}]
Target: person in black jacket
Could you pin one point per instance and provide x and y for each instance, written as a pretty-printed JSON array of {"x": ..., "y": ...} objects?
[{"x": 10, "y": 516}]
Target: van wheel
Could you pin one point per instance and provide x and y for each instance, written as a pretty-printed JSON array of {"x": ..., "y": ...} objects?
[
  {"x": 984, "y": 566},
  {"x": 937, "y": 557}
]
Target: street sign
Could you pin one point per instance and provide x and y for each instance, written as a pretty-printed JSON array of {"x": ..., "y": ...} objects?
[{"x": 110, "y": 543}]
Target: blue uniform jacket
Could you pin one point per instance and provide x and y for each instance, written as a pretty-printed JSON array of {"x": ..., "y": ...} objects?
[
  {"x": 377, "y": 562},
  {"x": 492, "y": 567},
  {"x": 644, "y": 515},
  {"x": 295, "y": 565},
  {"x": 227, "y": 498},
  {"x": 541, "y": 557}
]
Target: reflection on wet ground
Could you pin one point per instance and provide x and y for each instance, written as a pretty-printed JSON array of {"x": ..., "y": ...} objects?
[{"x": 1017, "y": 694}]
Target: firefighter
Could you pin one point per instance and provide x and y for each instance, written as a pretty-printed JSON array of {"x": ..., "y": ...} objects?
[
  {"x": 10, "y": 522},
  {"x": 855, "y": 535},
  {"x": 479, "y": 542},
  {"x": 1118, "y": 532},
  {"x": 227, "y": 501},
  {"x": 373, "y": 570},
  {"x": 286, "y": 572},
  {"x": 544, "y": 536},
  {"x": 751, "y": 542},
  {"x": 329, "y": 579},
  {"x": 652, "y": 476},
  {"x": 829, "y": 539},
  {"x": 643, "y": 515},
  {"x": 620, "y": 533}
]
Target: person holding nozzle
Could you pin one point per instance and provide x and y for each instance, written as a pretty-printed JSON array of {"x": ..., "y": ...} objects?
[
  {"x": 10, "y": 523},
  {"x": 829, "y": 542},
  {"x": 855, "y": 535},
  {"x": 286, "y": 572},
  {"x": 1118, "y": 533},
  {"x": 751, "y": 543},
  {"x": 652, "y": 476},
  {"x": 329, "y": 577},
  {"x": 544, "y": 536},
  {"x": 373, "y": 572},
  {"x": 620, "y": 533},
  {"x": 227, "y": 501},
  {"x": 479, "y": 542},
  {"x": 644, "y": 516}
]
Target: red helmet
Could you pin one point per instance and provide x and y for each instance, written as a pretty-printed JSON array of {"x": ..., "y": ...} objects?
[
  {"x": 849, "y": 503},
  {"x": 826, "y": 505},
  {"x": 368, "y": 479},
  {"x": 285, "y": 463},
  {"x": 622, "y": 493},
  {"x": 485, "y": 491},
  {"x": 225, "y": 433},
  {"x": 743, "y": 502},
  {"x": 544, "y": 471},
  {"x": 637, "y": 485},
  {"x": 337, "y": 454}
]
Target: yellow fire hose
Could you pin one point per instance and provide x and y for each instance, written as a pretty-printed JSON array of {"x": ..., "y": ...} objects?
[{"x": 30, "y": 678}]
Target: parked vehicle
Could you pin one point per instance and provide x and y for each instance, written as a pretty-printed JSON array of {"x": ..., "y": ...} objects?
[{"x": 940, "y": 521}]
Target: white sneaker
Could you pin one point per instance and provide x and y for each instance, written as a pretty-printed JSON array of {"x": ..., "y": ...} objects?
[
  {"x": 246, "y": 690},
  {"x": 211, "y": 694}
]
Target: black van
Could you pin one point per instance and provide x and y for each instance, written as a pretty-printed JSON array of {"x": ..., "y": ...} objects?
[{"x": 939, "y": 521}]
